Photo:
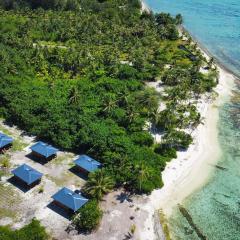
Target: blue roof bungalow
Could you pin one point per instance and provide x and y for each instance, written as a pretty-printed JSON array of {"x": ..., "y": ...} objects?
[
  {"x": 87, "y": 164},
  {"x": 27, "y": 174},
  {"x": 5, "y": 141},
  {"x": 43, "y": 150},
  {"x": 68, "y": 199}
]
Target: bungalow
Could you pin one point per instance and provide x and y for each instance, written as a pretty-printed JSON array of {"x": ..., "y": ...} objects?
[
  {"x": 43, "y": 150},
  {"x": 27, "y": 174},
  {"x": 87, "y": 164},
  {"x": 68, "y": 199},
  {"x": 5, "y": 141}
]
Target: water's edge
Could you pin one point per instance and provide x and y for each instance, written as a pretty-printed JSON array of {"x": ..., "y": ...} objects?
[{"x": 214, "y": 208}]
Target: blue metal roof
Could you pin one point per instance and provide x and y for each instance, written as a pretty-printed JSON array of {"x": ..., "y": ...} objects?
[
  {"x": 70, "y": 199},
  {"x": 5, "y": 140},
  {"x": 44, "y": 149},
  {"x": 87, "y": 163},
  {"x": 27, "y": 174}
]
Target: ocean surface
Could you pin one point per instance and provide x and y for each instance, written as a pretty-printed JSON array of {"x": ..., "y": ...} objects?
[{"x": 215, "y": 208}]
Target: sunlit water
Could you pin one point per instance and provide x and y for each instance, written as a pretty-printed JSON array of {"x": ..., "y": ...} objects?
[{"x": 215, "y": 209}]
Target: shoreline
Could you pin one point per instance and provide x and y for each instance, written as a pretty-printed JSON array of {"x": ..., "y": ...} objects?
[
  {"x": 208, "y": 54},
  {"x": 145, "y": 6},
  {"x": 193, "y": 168},
  {"x": 201, "y": 46}
]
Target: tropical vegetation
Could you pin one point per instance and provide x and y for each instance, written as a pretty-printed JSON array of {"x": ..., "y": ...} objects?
[
  {"x": 98, "y": 185},
  {"x": 32, "y": 231},
  {"x": 88, "y": 217},
  {"x": 75, "y": 73}
]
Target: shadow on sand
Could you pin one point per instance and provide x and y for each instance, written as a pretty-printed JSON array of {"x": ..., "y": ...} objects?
[
  {"x": 124, "y": 196},
  {"x": 21, "y": 185},
  {"x": 61, "y": 211},
  {"x": 80, "y": 174},
  {"x": 37, "y": 159}
]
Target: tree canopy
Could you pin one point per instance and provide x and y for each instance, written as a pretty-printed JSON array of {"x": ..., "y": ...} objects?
[{"x": 74, "y": 73}]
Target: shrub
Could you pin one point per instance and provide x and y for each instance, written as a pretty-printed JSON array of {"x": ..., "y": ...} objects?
[
  {"x": 178, "y": 139},
  {"x": 32, "y": 231},
  {"x": 1, "y": 174},
  {"x": 41, "y": 189},
  {"x": 133, "y": 229},
  {"x": 5, "y": 161},
  {"x": 88, "y": 217},
  {"x": 165, "y": 151},
  {"x": 142, "y": 138}
]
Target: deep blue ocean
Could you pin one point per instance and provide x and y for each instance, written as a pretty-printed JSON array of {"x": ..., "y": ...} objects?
[{"x": 215, "y": 208}]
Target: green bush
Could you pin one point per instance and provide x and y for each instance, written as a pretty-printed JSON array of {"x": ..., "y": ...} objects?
[
  {"x": 88, "y": 217},
  {"x": 165, "y": 151},
  {"x": 178, "y": 139},
  {"x": 142, "y": 138},
  {"x": 32, "y": 231}
]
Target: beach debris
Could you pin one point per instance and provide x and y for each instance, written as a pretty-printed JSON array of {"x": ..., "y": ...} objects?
[
  {"x": 133, "y": 228},
  {"x": 137, "y": 209},
  {"x": 221, "y": 168},
  {"x": 189, "y": 219},
  {"x": 128, "y": 236}
]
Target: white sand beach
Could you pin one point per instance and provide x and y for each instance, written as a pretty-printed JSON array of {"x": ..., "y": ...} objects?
[
  {"x": 191, "y": 169},
  {"x": 145, "y": 7}
]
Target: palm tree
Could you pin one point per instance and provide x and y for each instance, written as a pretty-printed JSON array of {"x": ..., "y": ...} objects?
[
  {"x": 74, "y": 95},
  {"x": 210, "y": 62},
  {"x": 143, "y": 173},
  {"x": 149, "y": 99},
  {"x": 179, "y": 19},
  {"x": 98, "y": 184},
  {"x": 109, "y": 103},
  {"x": 155, "y": 117}
]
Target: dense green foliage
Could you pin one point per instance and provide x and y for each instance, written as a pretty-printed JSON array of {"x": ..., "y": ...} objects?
[
  {"x": 74, "y": 76},
  {"x": 88, "y": 217},
  {"x": 32, "y": 231},
  {"x": 70, "y": 5}
]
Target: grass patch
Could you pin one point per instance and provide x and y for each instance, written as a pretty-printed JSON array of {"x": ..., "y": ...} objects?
[
  {"x": 18, "y": 145},
  {"x": 5, "y": 131},
  {"x": 66, "y": 157},
  {"x": 5, "y": 161},
  {"x": 8, "y": 201},
  {"x": 60, "y": 180},
  {"x": 6, "y": 212},
  {"x": 66, "y": 178}
]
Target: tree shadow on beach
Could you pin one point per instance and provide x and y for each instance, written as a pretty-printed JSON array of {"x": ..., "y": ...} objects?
[{"x": 124, "y": 196}]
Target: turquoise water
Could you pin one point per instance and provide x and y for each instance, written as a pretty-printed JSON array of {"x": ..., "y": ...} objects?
[{"x": 215, "y": 208}]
